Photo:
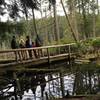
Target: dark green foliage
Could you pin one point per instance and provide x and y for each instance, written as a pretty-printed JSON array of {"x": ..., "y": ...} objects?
[
  {"x": 96, "y": 43},
  {"x": 32, "y": 4},
  {"x": 6, "y": 27},
  {"x": 20, "y": 28},
  {"x": 53, "y": 2},
  {"x": 2, "y": 4},
  {"x": 84, "y": 46},
  {"x": 14, "y": 11},
  {"x": 28, "y": 4}
]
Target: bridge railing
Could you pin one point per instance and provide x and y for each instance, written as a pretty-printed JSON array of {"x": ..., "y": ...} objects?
[{"x": 36, "y": 52}]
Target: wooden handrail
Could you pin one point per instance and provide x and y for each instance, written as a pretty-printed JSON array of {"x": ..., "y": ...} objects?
[{"x": 35, "y": 48}]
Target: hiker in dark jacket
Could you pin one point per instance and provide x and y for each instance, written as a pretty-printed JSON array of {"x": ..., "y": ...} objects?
[
  {"x": 28, "y": 44},
  {"x": 14, "y": 45},
  {"x": 34, "y": 50},
  {"x": 38, "y": 43}
]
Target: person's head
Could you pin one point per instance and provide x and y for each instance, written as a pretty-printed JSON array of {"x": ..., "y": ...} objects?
[
  {"x": 32, "y": 42},
  {"x": 13, "y": 37},
  {"x": 27, "y": 37}
]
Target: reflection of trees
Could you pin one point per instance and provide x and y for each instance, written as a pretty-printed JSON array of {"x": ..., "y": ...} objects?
[
  {"x": 78, "y": 85},
  {"x": 86, "y": 82}
]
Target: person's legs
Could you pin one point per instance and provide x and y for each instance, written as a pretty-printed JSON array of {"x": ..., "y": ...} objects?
[
  {"x": 30, "y": 53},
  {"x": 35, "y": 54}
]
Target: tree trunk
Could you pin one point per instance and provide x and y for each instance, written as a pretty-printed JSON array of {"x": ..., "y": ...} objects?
[
  {"x": 69, "y": 23},
  {"x": 79, "y": 7},
  {"x": 88, "y": 6},
  {"x": 73, "y": 18},
  {"x": 56, "y": 28},
  {"x": 94, "y": 26},
  {"x": 98, "y": 6},
  {"x": 34, "y": 23},
  {"x": 94, "y": 22},
  {"x": 84, "y": 19},
  {"x": 46, "y": 29}
]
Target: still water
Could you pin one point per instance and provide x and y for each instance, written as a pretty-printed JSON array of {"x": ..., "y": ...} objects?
[
  {"x": 52, "y": 88},
  {"x": 71, "y": 80}
]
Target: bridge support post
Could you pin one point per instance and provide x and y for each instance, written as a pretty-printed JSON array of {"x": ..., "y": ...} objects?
[
  {"x": 48, "y": 54},
  {"x": 69, "y": 54},
  {"x": 62, "y": 84}
]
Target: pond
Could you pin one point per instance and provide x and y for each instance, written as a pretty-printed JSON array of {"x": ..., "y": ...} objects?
[{"x": 77, "y": 79}]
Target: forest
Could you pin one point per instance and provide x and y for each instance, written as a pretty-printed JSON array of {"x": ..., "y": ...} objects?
[{"x": 80, "y": 20}]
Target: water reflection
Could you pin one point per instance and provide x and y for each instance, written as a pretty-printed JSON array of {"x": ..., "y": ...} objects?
[
  {"x": 75, "y": 80},
  {"x": 53, "y": 88}
]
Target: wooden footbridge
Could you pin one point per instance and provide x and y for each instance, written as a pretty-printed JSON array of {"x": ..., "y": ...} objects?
[{"x": 35, "y": 56}]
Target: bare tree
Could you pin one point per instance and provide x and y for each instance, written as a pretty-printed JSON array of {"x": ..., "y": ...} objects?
[
  {"x": 73, "y": 20},
  {"x": 69, "y": 23},
  {"x": 56, "y": 27}
]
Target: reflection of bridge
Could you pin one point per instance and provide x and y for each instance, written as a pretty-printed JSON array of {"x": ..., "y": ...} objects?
[{"x": 39, "y": 55}]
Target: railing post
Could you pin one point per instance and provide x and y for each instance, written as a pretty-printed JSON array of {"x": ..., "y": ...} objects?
[
  {"x": 69, "y": 53},
  {"x": 48, "y": 55},
  {"x": 17, "y": 55},
  {"x": 16, "y": 58},
  {"x": 69, "y": 50}
]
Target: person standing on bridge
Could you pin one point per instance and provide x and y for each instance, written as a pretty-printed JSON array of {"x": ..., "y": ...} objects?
[
  {"x": 28, "y": 44},
  {"x": 34, "y": 50},
  {"x": 23, "y": 52},
  {"x": 38, "y": 43},
  {"x": 14, "y": 45}
]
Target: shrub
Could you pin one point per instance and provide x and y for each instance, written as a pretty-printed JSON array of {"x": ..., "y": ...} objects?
[{"x": 96, "y": 43}]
